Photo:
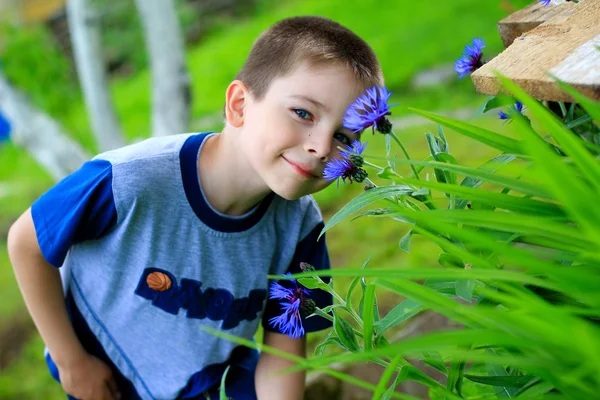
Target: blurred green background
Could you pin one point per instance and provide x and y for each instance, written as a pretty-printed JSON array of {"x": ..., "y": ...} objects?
[{"x": 416, "y": 41}]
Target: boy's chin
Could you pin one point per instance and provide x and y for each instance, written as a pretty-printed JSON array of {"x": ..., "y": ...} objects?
[{"x": 295, "y": 193}]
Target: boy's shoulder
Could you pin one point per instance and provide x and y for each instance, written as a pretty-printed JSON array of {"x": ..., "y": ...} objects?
[{"x": 152, "y": 148}]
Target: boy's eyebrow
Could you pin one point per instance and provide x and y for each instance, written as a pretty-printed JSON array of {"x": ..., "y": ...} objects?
[{"x": 313, "y": 101}]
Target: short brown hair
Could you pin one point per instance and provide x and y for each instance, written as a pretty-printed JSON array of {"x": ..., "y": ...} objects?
[{"x": 315, "y": 40}]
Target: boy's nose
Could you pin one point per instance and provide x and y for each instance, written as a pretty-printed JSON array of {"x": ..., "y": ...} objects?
[{"x": 319, "y": 145}]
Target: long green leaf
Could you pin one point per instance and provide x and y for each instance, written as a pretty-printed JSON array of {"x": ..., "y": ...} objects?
[
  {"x": 507, "y": 381},
  {"x": 499, "y": 371},
  {"x": 511, "y": 222},
  {"x": 455, "y": 377},
  {"x": 592, "y": 107},
  {"x": 573, "y": 192},
  {"x": 571, "y": 144},
  {"x": 491, "y": 166},
  {"x": 519, "y": 185},
  {"x": 368, "y": 316},
  {"x": 490, "y": 138},
  {"x": 504, "y": 201},
  {"x": 363, "y": 200},
  {"x": 400, "y": 313},
  {"x": 222, "y": 393}
]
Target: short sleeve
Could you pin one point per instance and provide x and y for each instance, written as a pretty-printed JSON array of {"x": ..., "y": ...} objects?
[
  {"x": 80, "y": 207},
  {"x": 314, "y": 252}
]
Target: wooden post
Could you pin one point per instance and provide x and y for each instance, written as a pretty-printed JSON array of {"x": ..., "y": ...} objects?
[{"x": 564, "y": 44}]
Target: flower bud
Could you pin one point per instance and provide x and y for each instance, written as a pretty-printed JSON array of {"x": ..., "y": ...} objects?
[
  {"x": 356, "y": 160},
  {"x": 308, "y": 306},
  {"x": 306, "y": 267},
  {"x": 359, "y": 175},
  {"x": 383, "y": 125}
]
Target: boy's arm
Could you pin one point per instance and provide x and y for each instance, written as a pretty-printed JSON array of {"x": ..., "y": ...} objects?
[
  {"x": 270, "y": 383},
  {"x": 81, "y": 374}
]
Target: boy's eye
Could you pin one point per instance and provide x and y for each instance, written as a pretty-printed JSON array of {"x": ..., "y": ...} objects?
[
  {"x": 342, "y": 138},
  {"x": 302, "y": 113}
]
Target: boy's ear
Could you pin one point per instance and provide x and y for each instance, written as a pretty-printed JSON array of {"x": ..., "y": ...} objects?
[{"x": 236, "y": 98}]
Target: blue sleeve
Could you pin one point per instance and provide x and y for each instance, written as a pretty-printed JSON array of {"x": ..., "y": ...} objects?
[
  {"x": 314, "y": 252},
  {"x": 80, "y": 207}
]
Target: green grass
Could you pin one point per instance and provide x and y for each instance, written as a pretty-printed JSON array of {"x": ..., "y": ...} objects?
[{"x": 407, "y": 36}]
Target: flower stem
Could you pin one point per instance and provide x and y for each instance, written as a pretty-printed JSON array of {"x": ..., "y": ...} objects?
[
  {"x": 348, "y": 309},
  {"x": 372, "y": 165},
  {"x": 405, "y": 154}
]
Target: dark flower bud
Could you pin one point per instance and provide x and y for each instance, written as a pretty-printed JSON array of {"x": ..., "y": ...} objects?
[
  {"x": 356, "y": 160},
  {"x": 383, "y": 125},
  {"x": 306, "y": 267},
  {"x": 308, "y": 306},
  {"x": 359, "y": 175}
]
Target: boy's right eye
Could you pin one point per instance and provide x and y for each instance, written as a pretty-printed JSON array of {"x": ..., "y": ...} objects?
[{"x": 302, "y": 113}]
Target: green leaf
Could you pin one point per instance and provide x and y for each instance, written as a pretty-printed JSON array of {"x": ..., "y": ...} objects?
[
  {"x": 442, "y": 286},
  {"x": 434, "y": 359},
  {"x": 222, "y": 394},
  {"x": 345, "y": 333},
  {"x": 421, "y": 192},
  {"x": 591, "y": 106},
  {"x": 385, "y": 377},
  {"x": 492, "y": 199},
  {"x": 405, "y": 241},
  {"x": 387, "y": 173},
  {"x": 368, "y": 317},
  {"x": 570, "y": 143},
  {"x": 498, "y": 101},
  {"x": 579, "y": 121},
  {"x": 506, "y": 381},
  {"x": 464, "y": 289},
  {"x": 400, "y": 313},
  {"x": 496, "y": 370},
  {"x": 536, "y": 387},
  {"x": 450, "y": 261},
  {"x": 455, "y": 377},
  {"x": 354, "y": 282},
  {"x": 376, "y": 212},
  {"x": 320, "y": 349},
  {"x": 437, "y": 154},
  {"x": 490, "y": 138},
  {"x": 528, "y": 224},
  {"x": 363, "y": 200},
  {"x": 492, "y": 166},
  {"x": 450, "y": 177},
  {"x": 434, "y": 148},
  {"x": 314, "y": 283},
  {"x": 528, "y": 188}
]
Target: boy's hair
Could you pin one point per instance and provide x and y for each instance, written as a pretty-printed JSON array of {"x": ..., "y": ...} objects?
[{"x": 315, "y": 40}]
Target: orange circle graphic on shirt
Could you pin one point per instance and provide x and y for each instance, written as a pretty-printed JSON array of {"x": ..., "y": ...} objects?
[{"x": 158, "y": 281}]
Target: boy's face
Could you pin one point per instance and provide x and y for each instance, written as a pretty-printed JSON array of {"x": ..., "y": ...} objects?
[{"x": 289, "y": 135}]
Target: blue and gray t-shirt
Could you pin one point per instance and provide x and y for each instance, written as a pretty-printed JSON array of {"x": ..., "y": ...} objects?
[{"x": 146, "y": 261}]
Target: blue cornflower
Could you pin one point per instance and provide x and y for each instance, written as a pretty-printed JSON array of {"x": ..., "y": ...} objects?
[
  {"x": 507, "y": 117},
  {"x": 4, "y": 128},
  {"x": 349, "y": 166},
  {"x": 470, "y": 60},
  {"x": 545, "y": 3},
  {"x": 369, "y": 109},
  {"x": 355, "y": 147},
  {"x": 295, "y": 301}
]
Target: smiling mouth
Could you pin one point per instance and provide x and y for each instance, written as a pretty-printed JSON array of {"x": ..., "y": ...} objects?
[{"x": 302, "y": 170}]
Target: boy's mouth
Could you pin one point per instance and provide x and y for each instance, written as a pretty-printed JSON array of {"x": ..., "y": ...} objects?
[{"x": 303, "y": 169}]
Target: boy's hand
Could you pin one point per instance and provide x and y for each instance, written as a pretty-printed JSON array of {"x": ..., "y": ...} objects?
[{"x": 89, "y": 379}]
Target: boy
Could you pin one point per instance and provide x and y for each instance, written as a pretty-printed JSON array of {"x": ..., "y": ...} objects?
[{"x": 161, "y": 237}]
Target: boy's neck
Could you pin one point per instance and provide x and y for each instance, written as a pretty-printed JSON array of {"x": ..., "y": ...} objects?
[{"x": 228, "y": 181}]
